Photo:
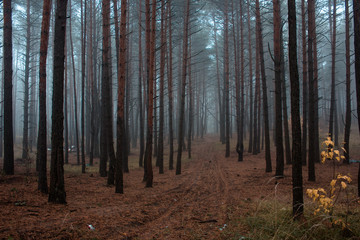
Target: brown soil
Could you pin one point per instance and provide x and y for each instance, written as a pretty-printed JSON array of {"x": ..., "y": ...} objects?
[{"x": 210, "y": 192}]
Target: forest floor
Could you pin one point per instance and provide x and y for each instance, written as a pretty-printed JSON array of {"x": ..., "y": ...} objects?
[{"x": 204, "y": 202}]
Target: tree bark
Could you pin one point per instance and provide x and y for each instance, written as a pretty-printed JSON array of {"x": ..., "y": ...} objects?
[
  {"x": 312, "y": 107},
  {"x": 8, "y": 90},
  {"x": 83, "y": 51},
  {"x": 251, "y": 128},
  {"x": 25, "y": 145},
  {"x": 356, "y": 7},
  {"x": 348, "y": 85},
  {"x": 141, "y": 114},
  {"x": 41, "y": 143},
  {"x": 278, "y": 114},
  {"x": 170, "y": 91},
  {"x": 305, "y": 83},
  {"x": 264, "y": 88},
  {"x": 298, "y": 202},
  {"x": 57, "y": 192},
  {"x": 226, "y": 80},
  {"x": 183, "y": 83},
  {"x": 150, "y": 48}
]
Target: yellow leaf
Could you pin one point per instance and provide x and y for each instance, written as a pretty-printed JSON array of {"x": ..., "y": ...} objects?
[
  {"x": 333, "y": 182},
  {"x": 344, "y": 149},
  {"x": 337, "y": 152},
  {"x": 343, "y": 185}
]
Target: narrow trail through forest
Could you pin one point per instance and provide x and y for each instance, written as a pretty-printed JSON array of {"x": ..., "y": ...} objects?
[{"x": 201, "y": 203}]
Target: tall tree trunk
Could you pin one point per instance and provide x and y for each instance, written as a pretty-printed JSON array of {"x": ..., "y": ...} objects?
[
  {"x": 160, "y": 155},
  {"x": 312, "y": 107},
  {"x": 41, "y": 143},
  {"x": 92, "y": 87},
  {"x": 8, "y": 91},
  {"x": 333, "y": 49},
  {"x": 75, "y": 98},
  {"x": 183, "y": 83},
  {"x": 251, "y": 128},
  {"x": 150, "y": 58},
  {"x": 278, "y": 114},
  {"x": 83, "y": 51},
  {"x": 221, "y": 109},
  {"x": 235, "y": 35},
  {"x": 226, "y": 80},
  {"x": 190, "y": 103},
  {"x": 141, "y": 113},
  {"x": 25, "y": 143},
  {"x": 305, "y": 83},
  {"x": 298, "y": 202},
  {"x": 120, "y": 144},
  {"x": 104, "y": 86},
  {"x": 356, "y": 7},
  {"x": 284, "y": 102},
  {"x": 108, "y": 102},
  {"x": 57, "y": 192},
  {"x": 170, "y": 91},
  {"x": 348, "y": 84},
  {"x": 264, "y": 88}
]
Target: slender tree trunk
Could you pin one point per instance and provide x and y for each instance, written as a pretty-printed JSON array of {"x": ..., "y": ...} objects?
[
  {"x": 251, "y": 128},
  {"x": 312, "y": 107},
  {"x": 221, "y": 109},
  {"x": 226, "y": 80},
  {"x": 104, "y": 86},
  {"x": 160, "y": 155},
  {"x": 41, "y": 143},
  {"x": 92, "y": 88},
  {"x": 141, "y": 114},
  {"x": 298, "y": 202},
  {"x": 75, "y": 98},
  {"x": 305, "y": 83},
  {"x": 57, "y": 192},
  {"x": 83, "y": 51},
  {"x": 170, "y": 92},
  {"x": 264, "y": 88},
  {"x": 190, "y": 103},
  {"x": 278, "y": 116},
  {"x": 333, "y": 49},
  {"x": 183, "y": 83},
  {"x": 356, "y": 7},
  {"x": 348, "y": 85},
  {"x": 150, "y": 47},
  {"x": 8, "y": 90},
  {"x": 25, "y": 148},
  {"x": 284, "y": 102},
  {"x": 120, "y": 144}
]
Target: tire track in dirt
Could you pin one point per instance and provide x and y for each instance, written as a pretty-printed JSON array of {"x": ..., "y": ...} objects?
[{"x": 200, "y": 198}]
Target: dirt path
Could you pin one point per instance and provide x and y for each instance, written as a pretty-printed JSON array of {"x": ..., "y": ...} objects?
[{"x": 200, "y": 203}]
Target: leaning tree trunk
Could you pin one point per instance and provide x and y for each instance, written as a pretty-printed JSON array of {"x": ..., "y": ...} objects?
[
  {"x": 57, "y": 192},
  {"x": 41, "y": 143}
]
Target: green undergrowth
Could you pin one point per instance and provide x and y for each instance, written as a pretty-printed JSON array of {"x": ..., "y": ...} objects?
[{"x": 273, "y": 220}]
